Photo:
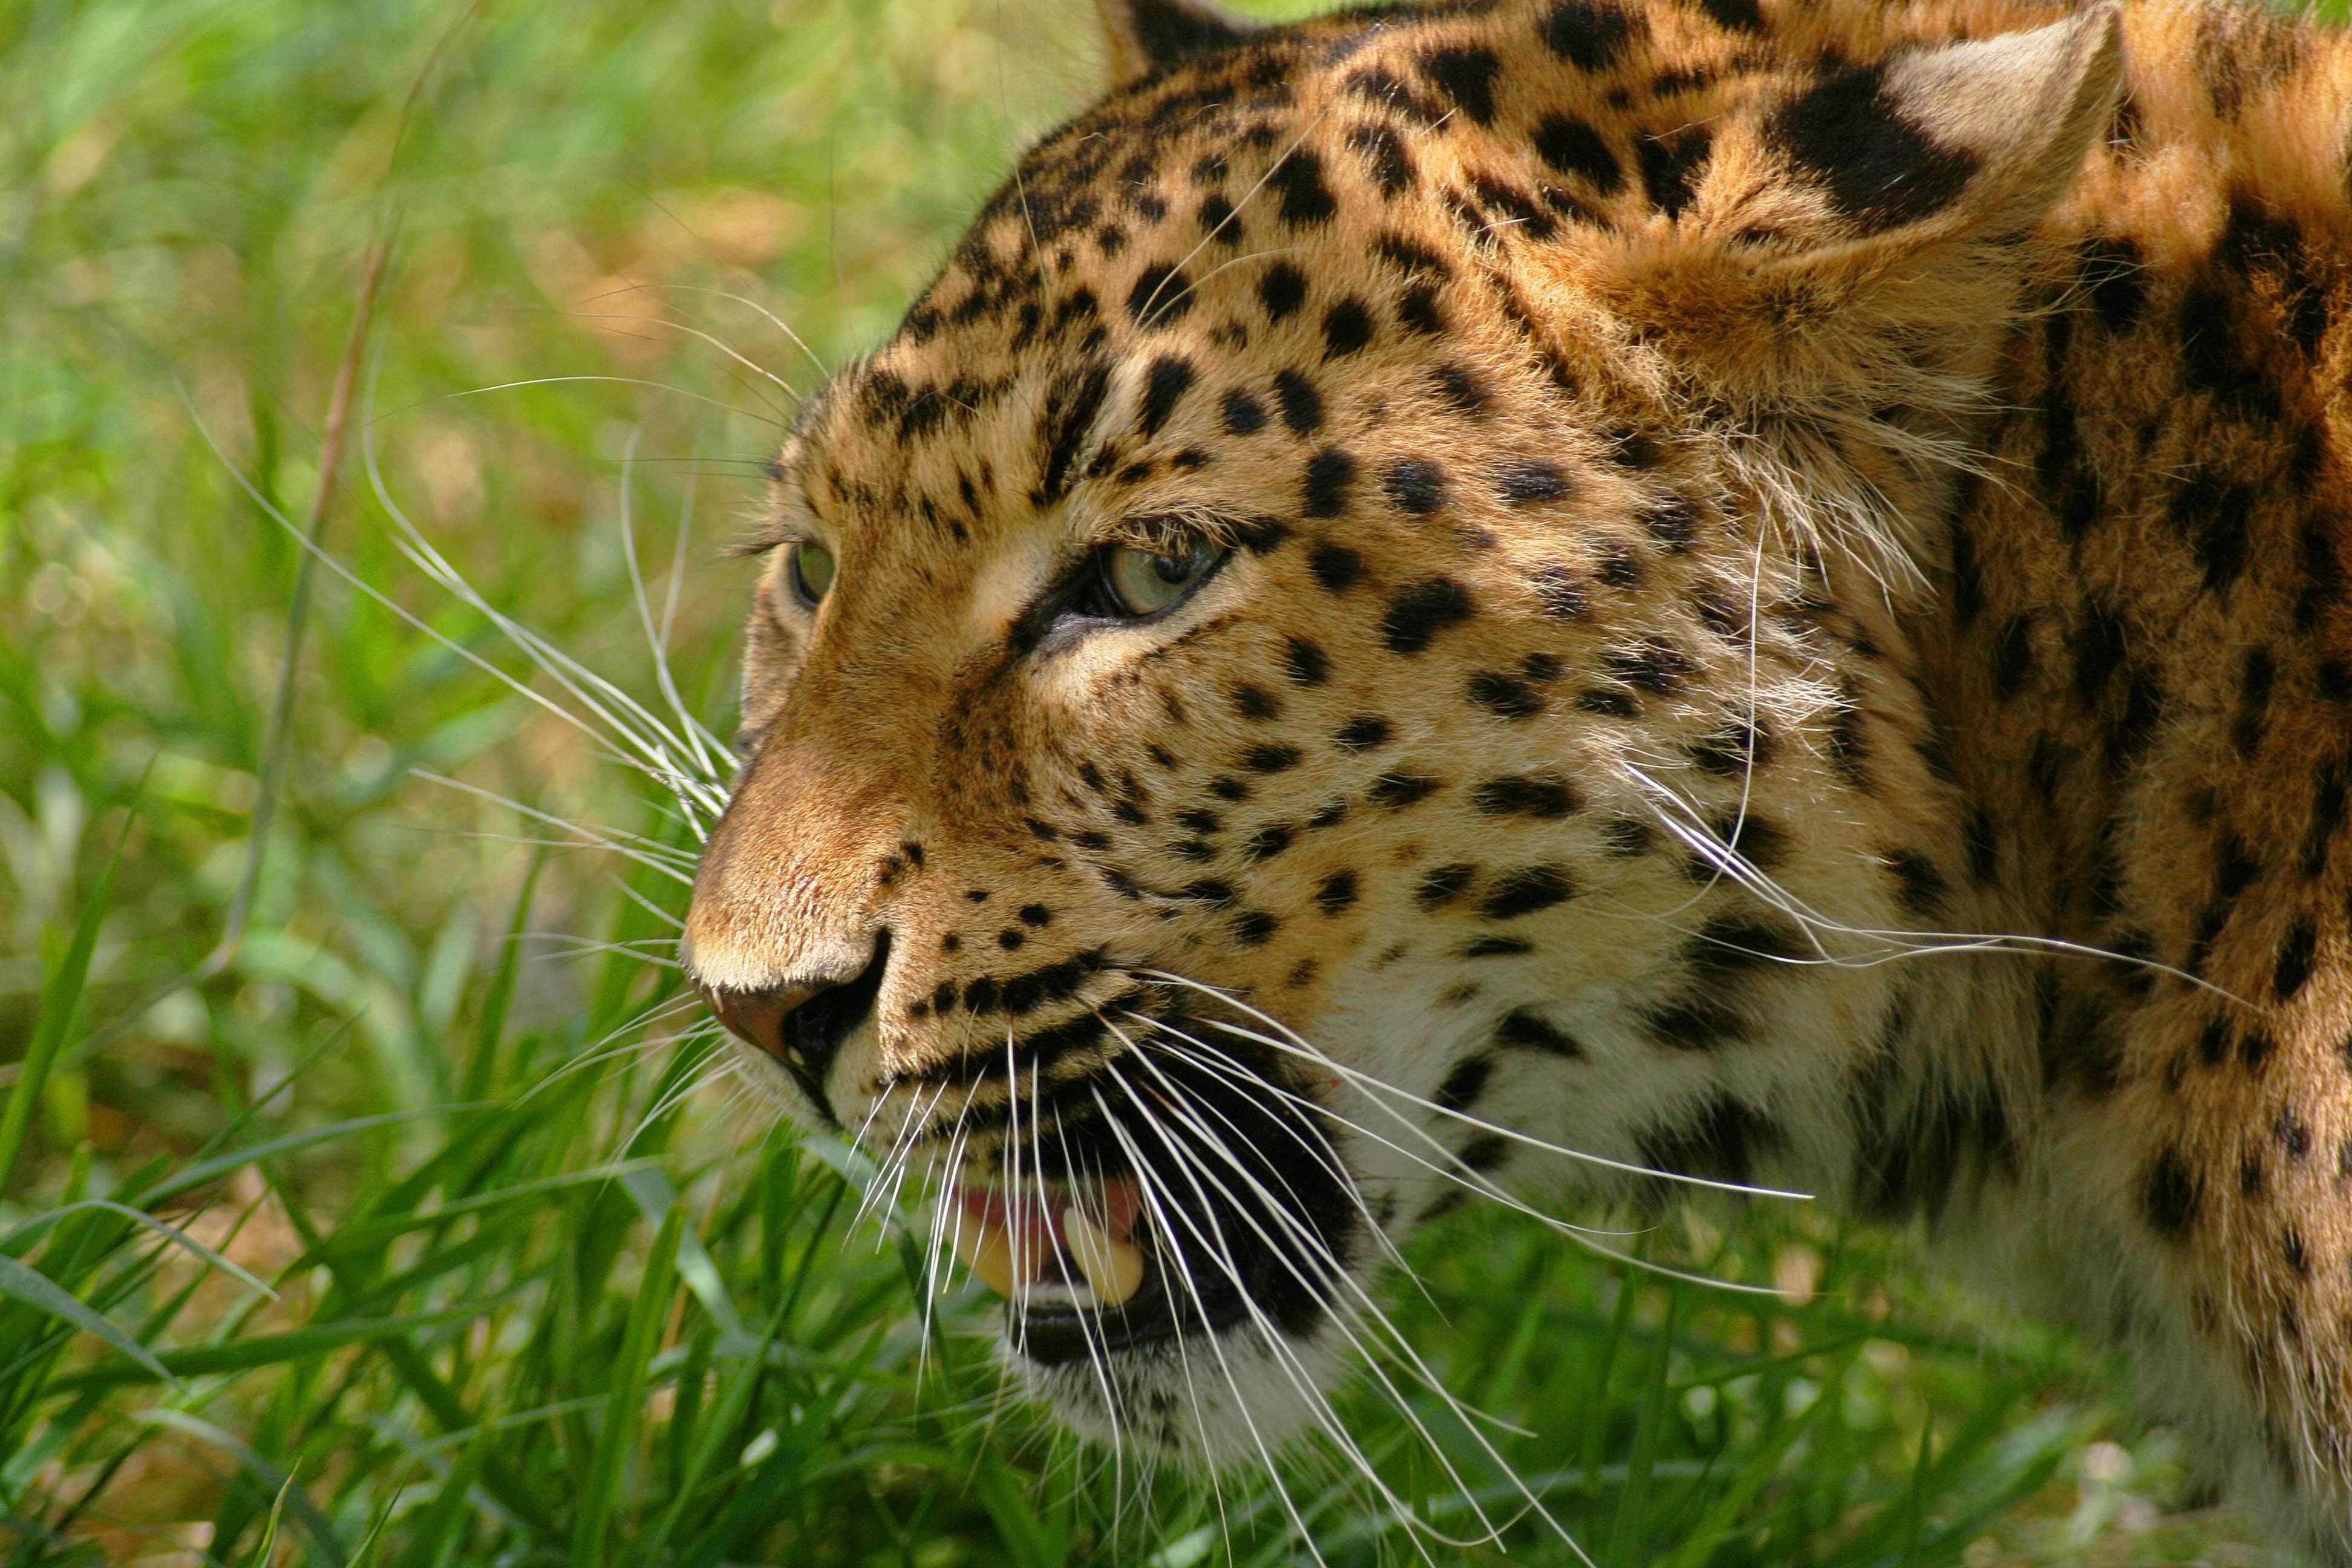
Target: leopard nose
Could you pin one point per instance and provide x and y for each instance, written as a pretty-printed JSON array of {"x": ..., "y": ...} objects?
[{"x": 804, "y": 1027}]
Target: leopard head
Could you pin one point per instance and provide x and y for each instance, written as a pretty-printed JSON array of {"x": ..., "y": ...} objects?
[{"x": 1335, "y": 649}]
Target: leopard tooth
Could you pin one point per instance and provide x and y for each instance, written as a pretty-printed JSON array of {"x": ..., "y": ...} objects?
[
  {"x": 986, "y": 1248},
  {"x": 1113, "y": 1267}
]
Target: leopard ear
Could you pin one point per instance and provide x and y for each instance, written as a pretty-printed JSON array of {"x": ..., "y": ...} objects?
[
  {"x": 1861, "y": 227},
  {"x": 1146, "y": 37},
  {"x": 1985, "y": 134}
]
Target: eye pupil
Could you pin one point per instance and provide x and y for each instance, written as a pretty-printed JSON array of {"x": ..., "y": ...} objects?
[
  {"x": 1138, "y": 583},
  {"x": 810, "y": 568}
]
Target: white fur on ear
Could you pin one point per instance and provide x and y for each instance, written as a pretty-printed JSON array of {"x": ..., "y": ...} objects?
[
  {"x": 2026, "y": 104},
  {"x": 1145, "y": 36}
]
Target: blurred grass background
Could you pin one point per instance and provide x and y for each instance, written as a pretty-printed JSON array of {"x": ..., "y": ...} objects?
[{"x": 532, "y": 1296}]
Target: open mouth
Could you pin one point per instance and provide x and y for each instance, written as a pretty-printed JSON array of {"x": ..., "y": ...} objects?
[{"x": 1212, "y": 1205}]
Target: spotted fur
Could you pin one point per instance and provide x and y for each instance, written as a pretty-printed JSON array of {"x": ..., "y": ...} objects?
[{"x": 1732, "y": 503}]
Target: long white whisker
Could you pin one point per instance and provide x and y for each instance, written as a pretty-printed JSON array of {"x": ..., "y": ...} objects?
[
  {"x": 1148, "y": 1183},
  {"x": 1306, "y": 1247},
  {"x": 1293, "y": 1045}
]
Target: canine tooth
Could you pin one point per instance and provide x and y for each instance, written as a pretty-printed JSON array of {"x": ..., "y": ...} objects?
[
  {"x": 986, "y": 1249},
  {"x": 1113, "y": 1267}
]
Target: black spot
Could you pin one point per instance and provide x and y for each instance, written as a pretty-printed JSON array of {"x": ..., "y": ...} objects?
[
  {"x": 1010, "y": 938},
  {"x": 1299, "y": 181},
  {"x": 2012, "y": 657},
  {"x": 1385, "y": 158},
  {"x": 1918, "y": 884},
  {"x": 1306, "y": 663},
  {"x": 2099, "y": 651},
  {"x": 1302, "y": 405},
  {"x": 1361, "y": 733},
  {"x": 1161, "y": 295},
  {"x": 1671, "y": 520},
  {"x": 2111, "y": 269},
  {"x": 1163, "y": 384},
  {"x": 1256, "y": 703},
  {"x": 1628, "y": 837},
  {"x": 2212, "y": 513},
  {"x": 2170, "y": 1195},
  {"x": 1336, "y": 892},
  {"x": 1497, "y": 947},
  {"x": 1735, "y": 16},
  {"x": 1217, "y": 220},
  {"x": 1421, "y": 610},
  {"x": 1523, "y": 483},
  {"x": 1035, "y": 915},
  {"x": 2294, "y": 966},
  {"x": 1876, "y": 167},
  {"x": 1487, "y": 1153},
  {"x": 1225, "y": 788},
  {"x": 1269, "y": 841},
  {"x": 1443, "y": 885},
  {"x": 1752, "y": 836},
  {"x": 1346, "y": 327},
  {"x": 1590, "y": 35},
  {"x": 1522, "y": 1030},
  {"x": 1335, "y": 567},
  {"x": 1670, "y": 167},
  {"x": 1466, "y": 75},
  {"x": 1331, "y": 474},
  {"x": 1466, "y": 1083},
  {"x": 1505, "y": 696},
  {"x": 1732, "y": 751},
  {"x": 1560, "y": 592},
  {"x": 1459, "y": 387},
  {"x": 1282, "y": 291},
  {"x": 1546, "y": 796},
  {"x": 2292, "y": 1133},
  {"x": 1416, "y": 485},
  {"x": 1720, "y": 1140},
  {"x": 1524, "y": 891},
  {"x": 1609, "y": 702},
  {"x": 1417, "y": 311},
  {"x": 1255, "y": 927},
  {"x": 1394, "y": 790},
  {"x": 1270, "y": 758},
  {"x": 1653, "y": 664},
  {"x": 1573, "y": 147},
  {"x": 1243, "y": 416}
]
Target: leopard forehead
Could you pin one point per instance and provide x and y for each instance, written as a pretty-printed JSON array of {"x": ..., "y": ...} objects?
[{"x": 1379, "y": 230}]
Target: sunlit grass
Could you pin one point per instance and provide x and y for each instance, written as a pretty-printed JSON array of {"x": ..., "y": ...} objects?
[{"x": 528, "y": 1300}]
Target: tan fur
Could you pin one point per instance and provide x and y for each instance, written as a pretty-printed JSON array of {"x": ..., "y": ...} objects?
[{"x": 2024, "y": 444}]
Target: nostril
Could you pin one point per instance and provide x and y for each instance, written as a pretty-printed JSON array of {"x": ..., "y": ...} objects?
[{"x": 804, "y": 1027}]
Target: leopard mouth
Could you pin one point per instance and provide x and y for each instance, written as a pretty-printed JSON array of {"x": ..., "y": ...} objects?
[
  {"x": 1211, "y": 1204},
  {"x": 1082, "y": 1270}
]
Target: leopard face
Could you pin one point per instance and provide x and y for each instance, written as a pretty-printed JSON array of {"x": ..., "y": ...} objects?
[{"x": 1341, "y": 656}]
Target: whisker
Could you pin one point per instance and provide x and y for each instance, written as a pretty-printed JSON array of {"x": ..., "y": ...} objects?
[{"x": 1294, "y": 1045}]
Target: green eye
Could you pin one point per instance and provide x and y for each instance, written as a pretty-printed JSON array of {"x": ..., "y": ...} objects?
[
  {"x": 1138, "y": 583},
  {"x": 811, "y": 568}
]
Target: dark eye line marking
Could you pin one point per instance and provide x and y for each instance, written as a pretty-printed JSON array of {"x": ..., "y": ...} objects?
[{"x": 1056, "y": 607}]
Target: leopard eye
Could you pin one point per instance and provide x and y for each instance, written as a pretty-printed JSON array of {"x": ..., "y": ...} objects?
[
  {"x": 1138, "y": 583},
  {"x": 810, "y": 568}
]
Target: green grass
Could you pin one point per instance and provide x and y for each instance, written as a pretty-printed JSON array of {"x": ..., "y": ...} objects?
[{"x": 531, "y": 1297}]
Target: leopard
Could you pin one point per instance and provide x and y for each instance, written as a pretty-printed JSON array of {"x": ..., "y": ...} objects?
[{"x": 1624, "y": 598}]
